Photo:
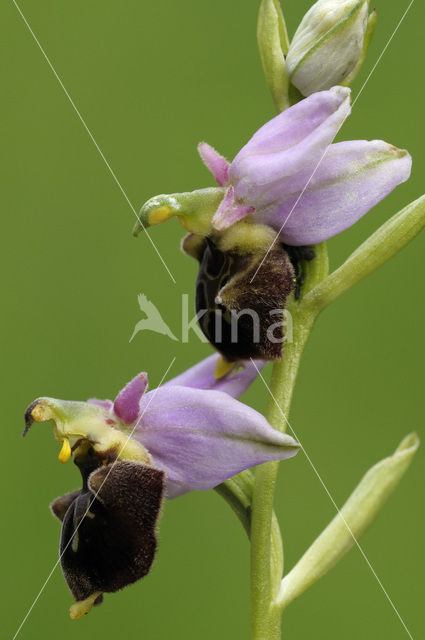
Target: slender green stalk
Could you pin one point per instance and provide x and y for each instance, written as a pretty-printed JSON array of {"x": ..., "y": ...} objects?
[
  {"x": 265, "y": 616},
  {"x": 238, "y": 498},
  {"x": 319, "y": 290},
  {"x": 265, "y": 619},
  {"x": 237, "y": 492}
]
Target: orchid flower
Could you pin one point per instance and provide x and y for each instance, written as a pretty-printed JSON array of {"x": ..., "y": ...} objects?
[
  {"x": 191, "y": 433},
  {"x": 289, "y": 186},
  {"x": 275, "y": 169},
  {"x": 291, "y": 159}
]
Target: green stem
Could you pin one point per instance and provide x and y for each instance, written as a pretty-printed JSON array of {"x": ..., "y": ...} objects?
[
  {"x": 237, "y": 492},
  {"x": 265, "y": 576}
]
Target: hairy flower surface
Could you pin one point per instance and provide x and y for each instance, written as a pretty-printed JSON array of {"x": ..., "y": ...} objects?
[
  {"x": 233, "y": 312},
  {"x": 191, "y": 433}
]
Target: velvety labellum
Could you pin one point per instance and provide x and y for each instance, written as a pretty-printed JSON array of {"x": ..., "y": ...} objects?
[
  {"x": 108, "y": 537},
  {"x": 239, "y": 311}
]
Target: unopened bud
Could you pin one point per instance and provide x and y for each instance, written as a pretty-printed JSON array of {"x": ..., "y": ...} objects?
[{"x": 327, "y": 45}]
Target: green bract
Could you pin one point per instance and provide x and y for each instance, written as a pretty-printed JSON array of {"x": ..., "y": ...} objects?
[
  {"x": 352, "y": 520},
  {"x": 273, "y": 44}
]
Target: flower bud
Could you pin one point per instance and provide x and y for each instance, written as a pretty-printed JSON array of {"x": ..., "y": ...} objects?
[{"x": 327, "y": 45}]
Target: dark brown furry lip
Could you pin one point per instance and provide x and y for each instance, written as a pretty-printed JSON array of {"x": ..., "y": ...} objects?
[{"x": 224, "y": 291}]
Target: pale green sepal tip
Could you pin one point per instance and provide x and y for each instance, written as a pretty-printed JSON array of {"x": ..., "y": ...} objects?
[
  {"x": 382, "y": 245},
  {"x": 281, "y": 25},
  {"x": 194, "y": 209},
  {"x": 353, "y": 519},
  {"x": 273, "y": 44}
]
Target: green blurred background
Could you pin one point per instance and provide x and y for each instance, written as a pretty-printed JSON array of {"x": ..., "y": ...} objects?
[{"x": 151, "y": 80}]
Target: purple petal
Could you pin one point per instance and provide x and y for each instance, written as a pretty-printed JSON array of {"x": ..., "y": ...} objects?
[
  {"x": 127, "y": 402},
  {"x": 201, "y": 438},
  {"x": 230, "y": 211},
  {"x": 215, "y": 162},
  {"x": 201, "y": 376},
  {"x": 351, "y": 179},
  {"x": 287, "y": 145}
]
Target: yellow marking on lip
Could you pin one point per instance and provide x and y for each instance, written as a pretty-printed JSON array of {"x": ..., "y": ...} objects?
[
  {"x": 222, "y": 368},
  {"x": 161, "y": 214},
  {"x": 41, "y": 412},
  {"x": 82, "y": 607},
  {"x": 65, "y": 452}
]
